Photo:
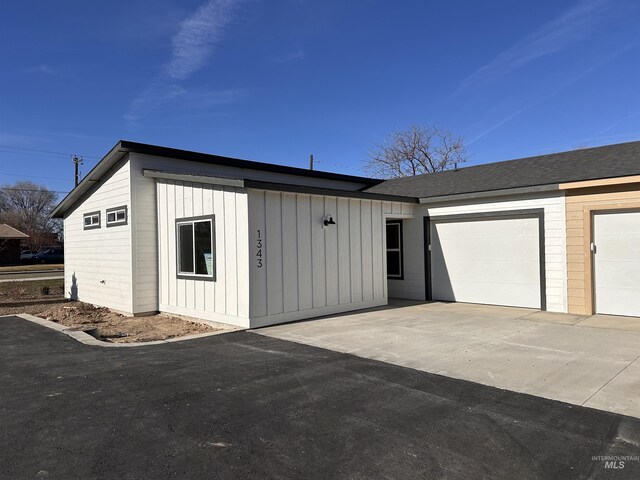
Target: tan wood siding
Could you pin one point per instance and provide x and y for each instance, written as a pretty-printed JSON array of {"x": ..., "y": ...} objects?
[{"x": 580, "y": 205}]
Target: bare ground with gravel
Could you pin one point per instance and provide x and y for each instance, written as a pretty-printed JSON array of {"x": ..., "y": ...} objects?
[{"x": 45, "y": 299}]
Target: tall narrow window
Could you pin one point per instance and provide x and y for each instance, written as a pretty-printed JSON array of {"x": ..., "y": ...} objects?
[
  {"x": 394, "y": 249},
  {"x": 195, "y": 248}
]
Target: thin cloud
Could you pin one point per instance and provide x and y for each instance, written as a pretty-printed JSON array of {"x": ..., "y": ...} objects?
[
  {"x": 192, "y": 46},
  {"x": 571, "y": 26},
  {"x": 568, "y": 83},
  {"x": 46, "y": 70},
  {"x": 508, "y": 118},
  {"x": 623, "y": 121},
  {"x": 298, "y": 54},
  {"x": 197, "y": 37}
]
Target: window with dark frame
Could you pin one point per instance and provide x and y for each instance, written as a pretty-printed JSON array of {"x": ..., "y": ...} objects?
[
  {"x": 395, "y": 267},
  {"x": 195, "y": 248},
  {"x": 117, "y": 216},
  {"x": 91, "y": 220}
]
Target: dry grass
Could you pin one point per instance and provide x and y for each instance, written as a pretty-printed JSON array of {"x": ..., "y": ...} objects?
[{"x": 28, "y": 268}]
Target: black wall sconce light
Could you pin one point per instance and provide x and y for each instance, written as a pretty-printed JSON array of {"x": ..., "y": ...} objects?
[{"x": 328, "y": 220}]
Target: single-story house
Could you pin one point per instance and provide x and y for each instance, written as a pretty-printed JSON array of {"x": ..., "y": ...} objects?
[
  {"x": 251, "y": 244},
  {"x": 10, "y": 239}
]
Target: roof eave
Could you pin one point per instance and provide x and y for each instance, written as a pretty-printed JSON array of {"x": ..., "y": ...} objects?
[
  {"x": 95, "y": 175},
  {"x": 552, "y": 187}
]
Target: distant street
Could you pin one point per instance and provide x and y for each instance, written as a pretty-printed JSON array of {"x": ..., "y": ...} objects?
[{"x": 33, "y": 275}]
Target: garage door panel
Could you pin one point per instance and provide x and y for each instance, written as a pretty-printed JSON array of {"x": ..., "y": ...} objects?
[
  {"x": 525, "y": 272},
  {"x": 488, "y": 293},
  {"x": 493, "y": 261},
  {"x": 617, "y": 263},
  {"x": 621, "y": 223},
  {"x": 471, "y": 249},
  {"x": 491, "y": 228},
  {"x": 619, "y": 275},
  {"x": 618, "y": 248}
]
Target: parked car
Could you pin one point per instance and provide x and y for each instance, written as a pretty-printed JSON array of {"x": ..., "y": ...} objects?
[
  {"x": 52, "y": 255},
  {"x": 27, "y": 255}
]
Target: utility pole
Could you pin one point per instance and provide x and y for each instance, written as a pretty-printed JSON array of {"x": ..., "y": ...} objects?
[
  {"x": 77, "y": 162},
  {"x": 311, "y": 162}
]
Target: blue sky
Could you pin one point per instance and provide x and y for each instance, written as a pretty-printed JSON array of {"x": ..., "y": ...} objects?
[{"x": 276, "y": 80}]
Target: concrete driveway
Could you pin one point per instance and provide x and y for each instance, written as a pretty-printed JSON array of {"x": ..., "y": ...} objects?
[{"x": 591, "y": 361}]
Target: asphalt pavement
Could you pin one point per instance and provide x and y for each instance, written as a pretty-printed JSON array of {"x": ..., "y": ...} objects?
[{"x": 241, "y": 405}]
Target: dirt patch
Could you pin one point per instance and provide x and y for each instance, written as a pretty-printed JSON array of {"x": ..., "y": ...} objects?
[
  {"x": 45, "y": 299},
  {"x": 113, "y": 327}
]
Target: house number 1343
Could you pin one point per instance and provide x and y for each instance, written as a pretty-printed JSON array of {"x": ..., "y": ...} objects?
[{"x": 259, "y": 250}]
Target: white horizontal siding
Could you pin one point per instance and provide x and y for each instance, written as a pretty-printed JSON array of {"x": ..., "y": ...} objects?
[
  {"x": 227, "y": 298},
  {"x": 555, "y": 250},
  {"x": 98, "y": 261},
  {"x": 308, "y": 269}
]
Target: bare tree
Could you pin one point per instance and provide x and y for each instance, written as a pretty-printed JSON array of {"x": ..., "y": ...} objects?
[
  {"x": 26, "y": 206},
  {"x": 415, "y": 151}
]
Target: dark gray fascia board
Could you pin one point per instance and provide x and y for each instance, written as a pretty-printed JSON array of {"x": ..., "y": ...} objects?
[
  {"x": 490, "y": 194},
  {"x": 332, "y": 192},
  {"x": 187, "y": 177},
  {"x": 94, "y": 176},
  {"x": 158, "y": 151},
  {"x": 124, "y": 147}
]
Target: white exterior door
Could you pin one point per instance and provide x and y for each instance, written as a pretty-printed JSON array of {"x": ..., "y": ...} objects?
[
  {"x": 493, "y": 261},
  {"x": 617, "y": 263}
]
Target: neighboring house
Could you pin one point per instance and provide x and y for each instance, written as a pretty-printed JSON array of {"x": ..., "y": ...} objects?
[
  {"x": 10, "y": 239},
  {"x": 157, "y": 229}
]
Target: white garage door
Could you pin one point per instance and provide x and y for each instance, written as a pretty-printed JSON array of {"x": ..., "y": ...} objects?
[
  {"x": 617, "y": 263},
  {"x": 494, "y": 261}
]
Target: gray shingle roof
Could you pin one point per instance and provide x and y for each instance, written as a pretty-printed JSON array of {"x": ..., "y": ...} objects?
[{"x": 609, "y": 161}]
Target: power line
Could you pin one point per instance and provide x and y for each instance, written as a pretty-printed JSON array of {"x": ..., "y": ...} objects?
[
  {"x": 43, "y": 151},
  {"x": 32, "y": 176},
  {"x": 30, "y": 190}
]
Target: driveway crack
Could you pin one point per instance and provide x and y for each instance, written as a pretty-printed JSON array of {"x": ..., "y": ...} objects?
[{"x": 611, "y": 379}]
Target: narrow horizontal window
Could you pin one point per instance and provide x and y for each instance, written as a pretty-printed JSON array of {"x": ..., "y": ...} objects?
[
  {"x": 117, "y": 216},
  {"x": 91, "y": 220},
  {"x": 195, "y": 248},
  {"x": 394, "y": 250}
]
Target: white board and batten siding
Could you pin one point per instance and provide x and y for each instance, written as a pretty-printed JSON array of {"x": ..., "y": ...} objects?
[
  {"x": 98, "y": 268},
  {"x": 300, "y": 269},
  {"x": 227, "y": 298},
  {"x": 144, "y": 217}
]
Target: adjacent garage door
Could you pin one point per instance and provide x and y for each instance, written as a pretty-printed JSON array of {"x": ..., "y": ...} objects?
[
  {"x": 488, "y": 259},
  {"x": 617, "y": 263}
]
